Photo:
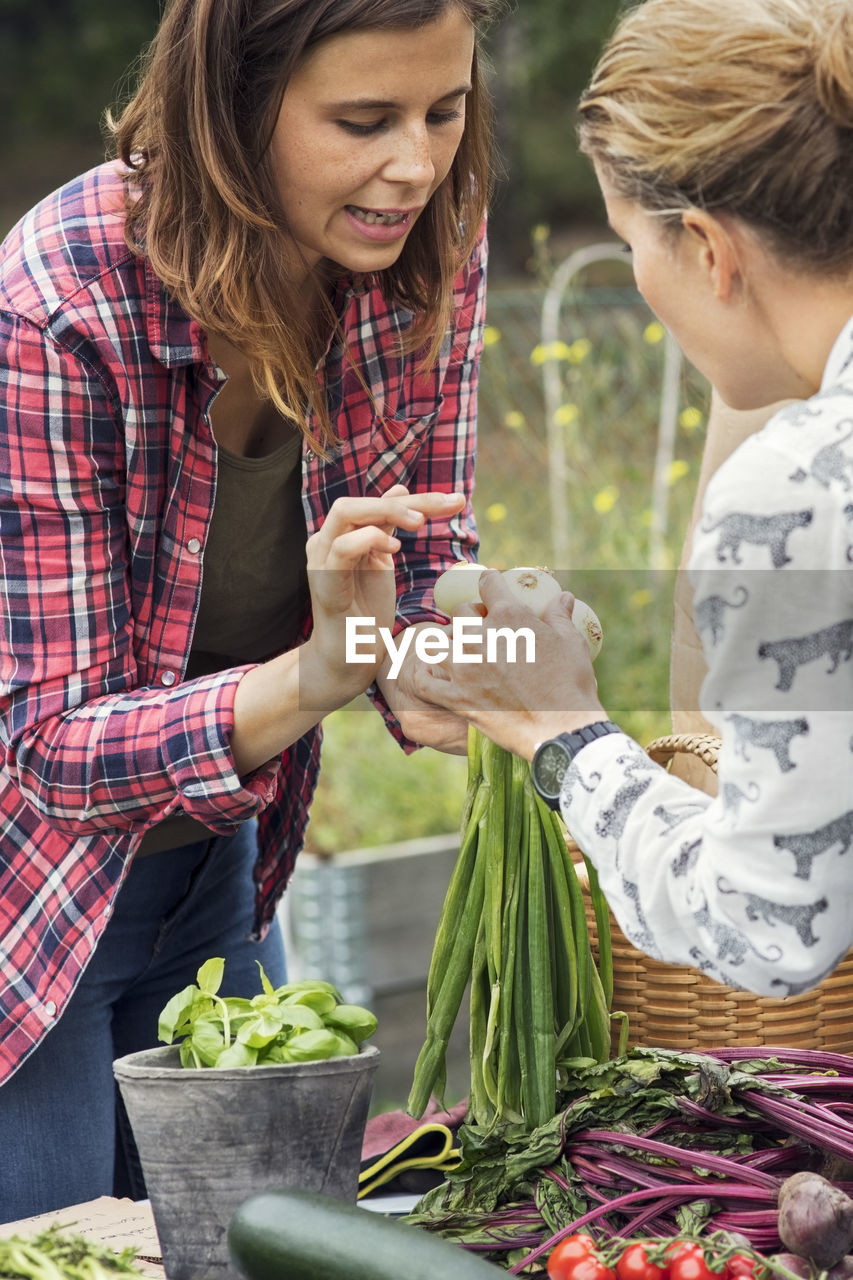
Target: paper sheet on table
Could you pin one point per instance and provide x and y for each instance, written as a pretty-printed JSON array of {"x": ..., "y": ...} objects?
[{"x": 120, "y": 1224}]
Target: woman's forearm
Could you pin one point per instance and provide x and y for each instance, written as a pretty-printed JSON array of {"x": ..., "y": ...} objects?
[{"x": 279, "y": 701}]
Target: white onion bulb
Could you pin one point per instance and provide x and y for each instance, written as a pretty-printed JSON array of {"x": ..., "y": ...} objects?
[
  {"x": 538, "y": 587},
  {"x": 460, "y": 584},
  {"x": 587, "y": 623},
  {"x": 533, "y": 587}
]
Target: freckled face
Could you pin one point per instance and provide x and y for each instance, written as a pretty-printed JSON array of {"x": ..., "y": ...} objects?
[{"x": 368, "y": 129}]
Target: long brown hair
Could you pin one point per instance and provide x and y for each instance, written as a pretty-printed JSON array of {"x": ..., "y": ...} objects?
[
  {"x": 743, "y": 106},
  {"x": 194, "y": 138}
]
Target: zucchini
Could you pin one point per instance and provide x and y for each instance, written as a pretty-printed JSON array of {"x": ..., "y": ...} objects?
[{"x": 303, "y": 1235}]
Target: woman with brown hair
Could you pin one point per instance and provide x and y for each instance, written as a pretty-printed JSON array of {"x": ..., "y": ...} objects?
[
  {"x": 722, "y": 135},
  {"x": 238, "y": 369}
]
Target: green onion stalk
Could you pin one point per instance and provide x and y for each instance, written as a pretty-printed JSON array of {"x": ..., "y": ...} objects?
[{"x": 514, "y": 926}]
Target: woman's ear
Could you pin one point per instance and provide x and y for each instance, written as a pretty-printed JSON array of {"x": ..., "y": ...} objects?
[{"x": 715, "y": 252}]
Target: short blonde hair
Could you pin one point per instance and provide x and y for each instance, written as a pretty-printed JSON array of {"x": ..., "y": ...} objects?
[{"x": 743, "y": 106}]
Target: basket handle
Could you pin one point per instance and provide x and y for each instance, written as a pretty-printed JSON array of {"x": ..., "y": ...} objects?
[{"x": 704, "y": 745}]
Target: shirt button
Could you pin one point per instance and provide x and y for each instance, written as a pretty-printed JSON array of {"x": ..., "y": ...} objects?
[
  {"x": 50, "y": 1008},
  {"x": 310, "y": 455},
  {"x": 194, "y": 546},
  {"x": 168, "y": 678}
]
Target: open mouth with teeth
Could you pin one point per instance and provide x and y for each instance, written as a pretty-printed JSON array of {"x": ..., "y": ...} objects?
[{"x": 371, "y": 218}]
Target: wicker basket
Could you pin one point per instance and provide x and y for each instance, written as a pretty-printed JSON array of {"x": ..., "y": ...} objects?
[{"x": 677, "y": 1007}]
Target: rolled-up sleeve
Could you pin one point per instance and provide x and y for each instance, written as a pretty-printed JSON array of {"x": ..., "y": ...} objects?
[{"x": 89, "y": 740}]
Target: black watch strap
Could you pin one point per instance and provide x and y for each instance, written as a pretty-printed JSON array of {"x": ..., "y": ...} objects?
[
  {"x": 583, "y": 737},
  {"x": 552, "y": 758}
]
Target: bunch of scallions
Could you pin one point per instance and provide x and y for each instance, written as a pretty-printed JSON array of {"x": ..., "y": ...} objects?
[{"x": 514, "y": 924}]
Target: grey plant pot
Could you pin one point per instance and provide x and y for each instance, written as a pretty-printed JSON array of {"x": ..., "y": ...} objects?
[{"x": 210, "y": 1138}]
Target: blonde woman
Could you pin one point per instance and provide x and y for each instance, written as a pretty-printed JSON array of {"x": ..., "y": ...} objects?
[
  {"x": 238, "y": 372},
  {"x": 722, "y": 135}
]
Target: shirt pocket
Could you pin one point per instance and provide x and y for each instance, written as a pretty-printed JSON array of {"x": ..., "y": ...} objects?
[{"x": 395, "y": 447}]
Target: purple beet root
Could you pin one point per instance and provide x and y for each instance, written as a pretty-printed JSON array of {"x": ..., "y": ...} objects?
[
  {"x": 842, "y": 1270},
  {"x": 815, "y": 1219}
]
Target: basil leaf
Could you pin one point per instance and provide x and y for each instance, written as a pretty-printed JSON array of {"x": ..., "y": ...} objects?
[
  {"x": 176, "y": 1012},
  {"x": 210, "y": 975}
]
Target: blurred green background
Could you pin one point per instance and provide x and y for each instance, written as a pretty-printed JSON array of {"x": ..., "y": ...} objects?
[
  {"x": 60, "y": 69},
  {"x": 58, "y": 73}
]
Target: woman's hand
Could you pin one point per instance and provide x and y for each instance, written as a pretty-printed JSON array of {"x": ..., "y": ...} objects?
[
  {"x": 351, "y": 575},
  {"x": 422, "y": 721},
  {"x": 517, "y": 703}
]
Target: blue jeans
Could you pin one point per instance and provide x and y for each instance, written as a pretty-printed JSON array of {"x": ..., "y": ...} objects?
[{"x": 64, "y": 1138}]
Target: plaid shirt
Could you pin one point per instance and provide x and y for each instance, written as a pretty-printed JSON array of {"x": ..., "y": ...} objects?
[{"x": 107, "y": 479}]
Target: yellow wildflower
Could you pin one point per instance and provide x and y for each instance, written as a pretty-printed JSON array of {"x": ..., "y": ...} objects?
[
  {"x": 579, "y": 350},
  {"x": 550, "y": 351},
  {"x": 491, "y": 335},
  {"x": 654, "y": 333},
  {"x": 496, "y": 512},
  {"x": 605, "y": 500},
  {"x": 514, "y": 420},
  {"x": 566, "y": 415},
  {"x": 677, "y": 470},
  {"x": 689, "y": 419}
]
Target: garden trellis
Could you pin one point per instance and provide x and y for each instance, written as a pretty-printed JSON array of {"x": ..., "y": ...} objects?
[{"x": 562, "y": 476}]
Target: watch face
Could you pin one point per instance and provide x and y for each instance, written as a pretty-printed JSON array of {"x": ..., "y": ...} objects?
[{"x": 550, "y": 768}]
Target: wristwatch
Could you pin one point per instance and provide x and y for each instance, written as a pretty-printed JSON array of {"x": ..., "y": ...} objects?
[{"x": 552, "y": 758}]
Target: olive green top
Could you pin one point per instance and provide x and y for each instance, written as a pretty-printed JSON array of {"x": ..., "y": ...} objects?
[{"x": 254, "y": 589}]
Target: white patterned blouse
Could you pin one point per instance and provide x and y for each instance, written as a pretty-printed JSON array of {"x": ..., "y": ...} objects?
[{"x": 754, "y": 886}]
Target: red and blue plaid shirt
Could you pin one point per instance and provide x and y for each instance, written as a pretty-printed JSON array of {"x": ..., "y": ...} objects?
[{"x": 107, "y": 477}]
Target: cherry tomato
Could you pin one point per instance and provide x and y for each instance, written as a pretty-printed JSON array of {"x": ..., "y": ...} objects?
[
  {"x": 590, "y": 1268},
  {"x": 634, "y": 1265},
  {"x": 681, "y": 1248},
  {"x": 564, "y": 1256},
  {"x": 740, "y": 1265},
  {"x": 687, "y": 1262}
]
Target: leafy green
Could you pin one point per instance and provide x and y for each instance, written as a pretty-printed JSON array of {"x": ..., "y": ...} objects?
[
  {"x": 299, "y": 1022},
  {"x": 630, "y": 1094},
  {"x": 57, "y": 1255}
]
